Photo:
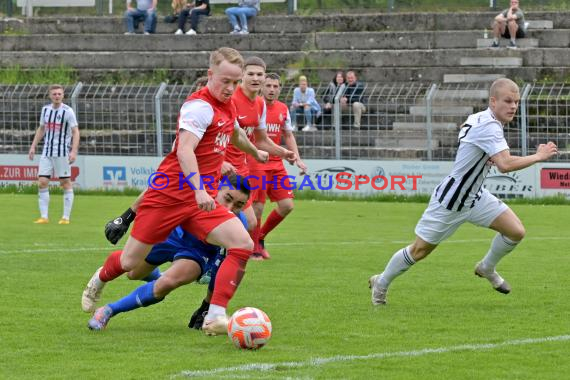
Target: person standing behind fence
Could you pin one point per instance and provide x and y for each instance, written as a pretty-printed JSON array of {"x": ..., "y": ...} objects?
[
  {"x": 145, "y": 11},
  {"x": 238, "y": 15},
  {"x": 353, "y": 95},
  {"x": 509, "y": 24},
  {"x": 194, "y": 11},
  {"x": 304, "y": 99},
  {"x": 58, "y": 127}
]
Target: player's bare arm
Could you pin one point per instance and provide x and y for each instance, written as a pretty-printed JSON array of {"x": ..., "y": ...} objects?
[
  {"x": 239, "y": 139},
  {"x": 291, "y": 144},
  {"x": 74, "y": 145},
  {"x": 262, "y": 141},
  {"x": 187, "y": 159},
  {"x": 507, "y": 163},
  {"x": 40, "y": 132}
]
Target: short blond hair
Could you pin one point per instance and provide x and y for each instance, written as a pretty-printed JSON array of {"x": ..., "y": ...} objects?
[
  {"x": 55, "y": 87},
  {"x": 500, "y": 84},
  {"x": 226, "y": 54},
  {"x": 303, "y": 78}
]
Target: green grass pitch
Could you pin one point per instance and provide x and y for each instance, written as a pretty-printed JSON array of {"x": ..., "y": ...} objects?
[{"x": 441, "y": 322}]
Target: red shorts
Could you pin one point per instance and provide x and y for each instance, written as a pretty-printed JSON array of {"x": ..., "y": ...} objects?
[
  {"x": 283, "y": 190},
  {"x": 154, "y": 223}
]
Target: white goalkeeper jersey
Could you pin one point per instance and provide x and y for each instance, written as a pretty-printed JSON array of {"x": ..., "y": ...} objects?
[
  {"x": 480, "y": 138},
  {"x": 57, "y": 123}
]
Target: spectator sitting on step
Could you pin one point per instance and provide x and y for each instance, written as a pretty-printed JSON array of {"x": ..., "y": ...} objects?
[
  {"x": 177, "y": 7},
  {"x": 509, "y": 24},
  {"x": 193, "y": 10},
  {"x": 353, "y": 96},
  {"x": 304, "y": 99},
  {"x": 331, "y": 92},
  {"x": 238, "y": 15},
  {"x": 145, "y": 12}
]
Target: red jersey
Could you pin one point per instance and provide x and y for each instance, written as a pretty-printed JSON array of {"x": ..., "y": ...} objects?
[
  {"x": 213, "y": 122},
  {"x": 278, "y": 120},
  {"x": 250, "y": 116}
]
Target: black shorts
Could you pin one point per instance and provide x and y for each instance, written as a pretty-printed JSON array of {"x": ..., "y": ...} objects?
[{"x": 520, "y": 33}]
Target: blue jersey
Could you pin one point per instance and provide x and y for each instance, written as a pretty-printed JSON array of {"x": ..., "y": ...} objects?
[{"x": 183, "y": 245}]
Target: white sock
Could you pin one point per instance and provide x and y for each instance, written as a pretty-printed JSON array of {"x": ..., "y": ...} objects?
[
  {"x": 398, "y": 264},
  {"x": 496, "y": 40},
  {"x": 500, "y": 247},
  {"x": 44, "y": 202},
  {"x": 215, "y": 311},
  {"x": 67, "y": 203}
]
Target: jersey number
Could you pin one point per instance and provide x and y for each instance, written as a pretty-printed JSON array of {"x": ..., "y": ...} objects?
[{"x": 464, "y": 130}]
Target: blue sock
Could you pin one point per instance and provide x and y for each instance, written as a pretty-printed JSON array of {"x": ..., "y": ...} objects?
[
  {"x": 141, "y": 296},
  {"x": 152, "y": 276}
]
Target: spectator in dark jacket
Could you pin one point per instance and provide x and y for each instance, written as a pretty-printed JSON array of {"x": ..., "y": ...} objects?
[
  {"x": 193, "y": 10},
  {"x": 354, "y": 97},
  {"x": 331, "y": 92}
]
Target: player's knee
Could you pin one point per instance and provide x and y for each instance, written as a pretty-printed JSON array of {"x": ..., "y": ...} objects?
[
  {"x": 243, "y": 242},
  {"x": 285, "y": 209},
  {"x": 518, "y": 233}
]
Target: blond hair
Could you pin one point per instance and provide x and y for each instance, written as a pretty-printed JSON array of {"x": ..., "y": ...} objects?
[
  {"x": 55, "y": 87},
  {"x": 303, "y": 78},
  {"x": 226, "y": 54},
  {"x": 501, "y": 84}
]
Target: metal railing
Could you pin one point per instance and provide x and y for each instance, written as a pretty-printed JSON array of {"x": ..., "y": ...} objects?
[{"x": 404, "y": 121}]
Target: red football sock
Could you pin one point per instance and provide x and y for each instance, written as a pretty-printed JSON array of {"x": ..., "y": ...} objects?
[
  {"x": 112, "y": 267},
  {"x": 271, "y": 222},
  {"x": 229, "y": 276}
]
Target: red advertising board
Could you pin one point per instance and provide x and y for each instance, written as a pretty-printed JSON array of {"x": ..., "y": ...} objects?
[
  {"x": 27, "y": 173},
  {"x": 555, "y": 178}
]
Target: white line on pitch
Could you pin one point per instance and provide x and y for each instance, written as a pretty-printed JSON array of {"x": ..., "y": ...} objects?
[{"x": 381, "y": 355}]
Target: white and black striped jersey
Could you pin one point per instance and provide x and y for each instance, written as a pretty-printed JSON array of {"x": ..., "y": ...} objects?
[
  {"x": 57, "y": 123},
  {"x": 480, "y": 138}
]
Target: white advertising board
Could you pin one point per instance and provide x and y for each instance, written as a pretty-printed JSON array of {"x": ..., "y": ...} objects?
[{"x": 360, "y": 177}]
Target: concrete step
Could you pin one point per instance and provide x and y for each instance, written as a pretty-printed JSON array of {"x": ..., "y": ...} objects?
[
  {"x": 311, "y": 59},
  {"x": 278, "y": 42},
  {"x": 155, "y": 43},
  {"x": 303, "y": 24},
  {"x": 459, "y": 94},
  {"x": 492, "y": 61},
  {"x": 423, "y": 126},
  {"x": 471, "y": 78},
  {"x": 442, "y": 111},
  {"x": 540, "y": 24},
  {"x": 521, "y": 42},
  {"x": 406, "y": 142},
  {"x": 416, "y": 74}
]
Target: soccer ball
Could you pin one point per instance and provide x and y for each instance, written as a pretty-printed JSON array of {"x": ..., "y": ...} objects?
[{"x": 249, "y": 328}]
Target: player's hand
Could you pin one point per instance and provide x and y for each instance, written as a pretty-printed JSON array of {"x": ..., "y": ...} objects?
[
  {"x": 197, "y": 319},
  {"x": 72, "y": 157},
  {"x": 545, "y": 151},
  {"x": 302, "y": 167},
  {"x": 204, "y": 200},
  {"x": 228, "y": 168},
  {"x": 32, "y": 153},
  {"x": 290, "y": 156},
  {"x": 115, "y": 229},
  {"x": 262, "y": 156}
]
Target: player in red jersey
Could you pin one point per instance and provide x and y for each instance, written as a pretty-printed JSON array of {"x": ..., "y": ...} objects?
[
  {"x": 251, "y": 110},
  {"x": 181, "y": 192},
  {"x": 279, "y": 125}
]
